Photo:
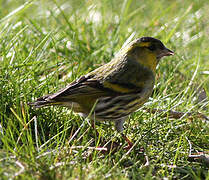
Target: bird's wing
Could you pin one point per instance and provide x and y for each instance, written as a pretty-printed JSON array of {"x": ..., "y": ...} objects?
[
  {"x": 87, "y": 88},
  {"x": 83, "y": 89},
  {"x": 84, "y": 86}
]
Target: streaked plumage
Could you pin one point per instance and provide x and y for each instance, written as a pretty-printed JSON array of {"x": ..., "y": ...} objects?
[{"x": 117, "y": 88}]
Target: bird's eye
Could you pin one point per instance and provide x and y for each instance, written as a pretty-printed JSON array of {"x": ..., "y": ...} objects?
[{"x": 152, "y": 47}]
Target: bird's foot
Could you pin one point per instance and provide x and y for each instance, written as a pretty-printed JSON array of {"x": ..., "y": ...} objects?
[{"x": 130, "y": 144}]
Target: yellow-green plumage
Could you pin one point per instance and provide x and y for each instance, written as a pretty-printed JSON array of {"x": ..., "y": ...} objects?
[{"x": 118, "y": 88}]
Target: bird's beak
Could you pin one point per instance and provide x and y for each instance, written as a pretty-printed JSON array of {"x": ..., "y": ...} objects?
[
  {"x": 168, "y": 52},
  {"x": 165, "y": 52}
]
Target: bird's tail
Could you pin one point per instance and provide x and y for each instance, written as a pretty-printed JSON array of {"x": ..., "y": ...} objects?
[{"x": 43, "y": 101}]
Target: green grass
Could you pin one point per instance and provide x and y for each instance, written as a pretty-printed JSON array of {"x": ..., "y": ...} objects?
[{"x": 44, "y": 45}]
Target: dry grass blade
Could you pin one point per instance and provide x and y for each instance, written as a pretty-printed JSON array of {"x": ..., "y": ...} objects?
[
  {"x": 177, "y": 114},
  {"x": 200, "y": 156}
]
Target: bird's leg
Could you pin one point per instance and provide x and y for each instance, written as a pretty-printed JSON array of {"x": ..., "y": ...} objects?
[
  {"x": 130, "y": 144},
  {"x": 119, "y": 127}
]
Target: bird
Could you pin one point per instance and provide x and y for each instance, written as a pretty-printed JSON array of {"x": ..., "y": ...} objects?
[{"x": 116, "y": 89}]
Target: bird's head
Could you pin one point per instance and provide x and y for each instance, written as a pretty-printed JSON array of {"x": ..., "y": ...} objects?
[
  {"x": 148, "y": 51},
  {"x": 154, "y": 46}
]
